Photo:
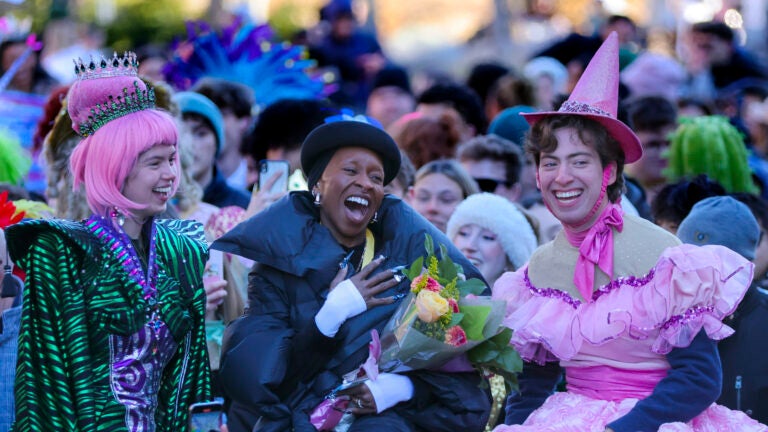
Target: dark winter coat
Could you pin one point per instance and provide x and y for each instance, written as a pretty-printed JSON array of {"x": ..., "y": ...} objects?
[
  {"x": 276, "y": 366},
  {"x": 744, "y": 360},
  {"x": 220, "y": 194}
]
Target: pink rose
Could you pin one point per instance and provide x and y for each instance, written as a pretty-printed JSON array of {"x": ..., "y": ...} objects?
[
  {"x": 455, "y": 336},
  {"x": 453, "y": 305},
  {"x": 428, "y": 284}
]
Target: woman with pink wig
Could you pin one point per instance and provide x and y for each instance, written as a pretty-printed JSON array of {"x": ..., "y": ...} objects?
[{"x": 112, "y": 334}]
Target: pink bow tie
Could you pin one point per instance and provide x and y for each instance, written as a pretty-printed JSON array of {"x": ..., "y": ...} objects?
[{"x": 597, "y": 250}]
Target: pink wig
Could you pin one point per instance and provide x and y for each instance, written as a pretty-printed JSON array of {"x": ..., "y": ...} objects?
[{"x": 102, "y": 161}]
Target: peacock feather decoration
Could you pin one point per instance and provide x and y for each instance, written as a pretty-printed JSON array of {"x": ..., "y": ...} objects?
[
  {"x": 710, "y": 145},
  {"x": 249, "y": 55}
]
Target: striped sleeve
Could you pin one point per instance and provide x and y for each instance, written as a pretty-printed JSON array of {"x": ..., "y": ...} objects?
[
  {"x": 54, "y": 363},
  {"x": 185, "y": 252}
]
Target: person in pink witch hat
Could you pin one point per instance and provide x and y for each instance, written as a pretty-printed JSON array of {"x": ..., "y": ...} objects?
[{"x": 632, "y": 315}]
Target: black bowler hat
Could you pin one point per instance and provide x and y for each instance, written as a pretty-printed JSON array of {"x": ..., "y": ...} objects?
[{"x": 324, "y": 140}]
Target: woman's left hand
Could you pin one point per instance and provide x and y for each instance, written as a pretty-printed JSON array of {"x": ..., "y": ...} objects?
[{"x": 361, "y": 401}]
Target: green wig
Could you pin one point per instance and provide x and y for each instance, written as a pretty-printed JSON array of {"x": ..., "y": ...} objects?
[
  {"x": 710, "y": 145},
  {"x": 14, "y": 162}
]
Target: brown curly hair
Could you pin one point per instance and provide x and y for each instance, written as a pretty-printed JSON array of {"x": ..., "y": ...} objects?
[
  {"x": 425, "y": 139},
  {"x": 542, "y": 139}
]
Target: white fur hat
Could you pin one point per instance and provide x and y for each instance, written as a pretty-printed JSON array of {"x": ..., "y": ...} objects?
[{"x": 499, "y": 215}]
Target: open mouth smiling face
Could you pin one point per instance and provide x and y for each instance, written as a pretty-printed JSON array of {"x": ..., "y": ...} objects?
[
  {"x": 151, "y": 180},
  {"x": 351, "y": 190},
  {"x": 571, "y": 177}
]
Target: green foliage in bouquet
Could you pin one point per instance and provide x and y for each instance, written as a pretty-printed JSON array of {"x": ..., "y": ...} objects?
[
  {"x": 444, "y": 270},
  {"x": 496, "y": 356},
  {"x": 466, "y": 318}
]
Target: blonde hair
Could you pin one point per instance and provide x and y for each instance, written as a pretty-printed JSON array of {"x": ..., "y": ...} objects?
[{"x": 454, "y": 171}]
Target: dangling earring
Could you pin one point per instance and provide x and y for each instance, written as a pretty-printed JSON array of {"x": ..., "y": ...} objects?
[
  {"x": 317, "y": 199},
  {"x": 375, "y": 218},
  {"x": 115, "y": 214}
]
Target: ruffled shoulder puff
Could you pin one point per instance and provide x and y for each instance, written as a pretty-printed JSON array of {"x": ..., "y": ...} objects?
[{"x": 690, "y": 288}]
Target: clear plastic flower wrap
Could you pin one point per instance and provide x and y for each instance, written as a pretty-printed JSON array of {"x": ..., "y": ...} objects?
[{"x": 444, "y": 316}]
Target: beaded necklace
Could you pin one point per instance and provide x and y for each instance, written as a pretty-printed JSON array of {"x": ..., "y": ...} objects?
[{"x": 119, "y": 244}]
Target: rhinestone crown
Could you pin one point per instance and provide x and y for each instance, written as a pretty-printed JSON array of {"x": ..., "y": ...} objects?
[
  {"x": 126, "y": 65},
  {"x": 116, "y": 105}
]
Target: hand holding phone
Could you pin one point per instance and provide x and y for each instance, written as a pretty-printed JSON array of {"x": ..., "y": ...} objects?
[
  {"x": 273, "y": 184},
  {"x": 274, "y": 172}
]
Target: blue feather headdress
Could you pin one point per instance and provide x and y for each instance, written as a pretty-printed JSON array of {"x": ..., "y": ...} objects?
[{"x": 249, "y": 55}]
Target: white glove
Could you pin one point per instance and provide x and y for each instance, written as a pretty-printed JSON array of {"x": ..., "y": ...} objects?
[
  {"x": 389, "y": 390},
  {"x": 342, "y": 303}
]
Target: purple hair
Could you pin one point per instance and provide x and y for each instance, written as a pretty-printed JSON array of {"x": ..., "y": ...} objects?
[{"x": 103, "y": 160}]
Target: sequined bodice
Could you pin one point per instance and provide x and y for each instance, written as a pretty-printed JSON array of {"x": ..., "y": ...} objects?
[{"x": 137, "y": 363}]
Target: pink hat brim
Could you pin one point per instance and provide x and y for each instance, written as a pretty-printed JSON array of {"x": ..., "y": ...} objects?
[{"x": 629, "y": 142}]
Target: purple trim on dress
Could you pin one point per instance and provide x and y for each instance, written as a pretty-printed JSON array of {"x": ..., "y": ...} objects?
[
  {"x": 688, "y": 315},
  {"x": 632, "y": 281},
  {"x": 120, "y": 246},
  {"x": 551, "y": 292}
]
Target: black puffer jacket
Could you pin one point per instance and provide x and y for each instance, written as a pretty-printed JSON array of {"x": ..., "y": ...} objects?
[
  {"x": 276, "y": 366},
  {"x": 745, "y": 366}
]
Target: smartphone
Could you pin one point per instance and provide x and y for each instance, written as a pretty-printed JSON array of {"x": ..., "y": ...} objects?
[
  {"x": 215, "y": 264},
  {"x": 206, "y": 416},
  {"x": 268, "y": 168}
]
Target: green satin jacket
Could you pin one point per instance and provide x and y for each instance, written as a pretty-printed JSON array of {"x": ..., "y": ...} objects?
[{"x": 76, "y": 295}]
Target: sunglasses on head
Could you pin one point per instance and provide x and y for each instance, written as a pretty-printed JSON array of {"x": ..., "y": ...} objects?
[{"x": 490, "y": 185}]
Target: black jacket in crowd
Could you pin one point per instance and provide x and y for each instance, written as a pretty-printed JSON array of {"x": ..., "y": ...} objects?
[
  {"x": 221, "y": 194},
  {"x": 276, "y": 366},
  {"x": 745, "y": 365}
]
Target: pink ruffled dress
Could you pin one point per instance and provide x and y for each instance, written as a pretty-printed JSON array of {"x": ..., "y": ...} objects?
[{"x": 613, "y": 346}]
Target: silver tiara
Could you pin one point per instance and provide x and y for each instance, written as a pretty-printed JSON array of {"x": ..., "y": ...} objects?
[{"x": 127, "y": 65}]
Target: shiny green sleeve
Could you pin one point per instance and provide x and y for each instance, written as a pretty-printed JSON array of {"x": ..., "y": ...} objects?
[
  {"x": 54, "y": 362},
  {"x": 186, "y": 253}
]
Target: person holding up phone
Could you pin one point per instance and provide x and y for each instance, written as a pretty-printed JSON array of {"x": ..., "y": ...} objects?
[
  {"x": 324, "y": 279},
  {"x": 273, "y": 185}
]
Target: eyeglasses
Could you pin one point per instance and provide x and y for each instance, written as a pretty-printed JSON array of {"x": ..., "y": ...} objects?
[{"x": 490, "y": 185}]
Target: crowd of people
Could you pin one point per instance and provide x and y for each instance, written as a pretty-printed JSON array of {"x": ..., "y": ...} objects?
[{"x": 612, "y": 197}]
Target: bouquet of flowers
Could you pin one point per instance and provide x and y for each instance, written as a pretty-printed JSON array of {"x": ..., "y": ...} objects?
[{"x": 445, "y": 316}]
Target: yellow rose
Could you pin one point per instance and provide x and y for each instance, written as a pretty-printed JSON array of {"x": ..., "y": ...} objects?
[{"x": 431, "y": 306}]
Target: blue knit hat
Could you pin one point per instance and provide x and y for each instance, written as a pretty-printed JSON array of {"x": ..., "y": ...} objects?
[
  {"x": 724, "y": 221},
  {"x": 509, "y": 124},
  {"x": 191, "y": 102}
]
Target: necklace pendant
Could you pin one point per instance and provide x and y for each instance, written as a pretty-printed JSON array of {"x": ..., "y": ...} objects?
[{"x": 155, "y": 320}]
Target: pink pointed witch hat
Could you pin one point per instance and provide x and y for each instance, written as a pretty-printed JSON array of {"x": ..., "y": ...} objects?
[{"x": 596, "y": 96}]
